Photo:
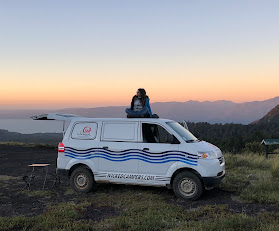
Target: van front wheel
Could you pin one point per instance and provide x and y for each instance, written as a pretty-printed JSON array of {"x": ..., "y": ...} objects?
[
  {"x": 187, "y": 185},
  {"x": 82, "y": 180}
]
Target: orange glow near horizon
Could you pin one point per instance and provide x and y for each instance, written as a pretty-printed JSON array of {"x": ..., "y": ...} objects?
[{"x": 118, "y": 91}]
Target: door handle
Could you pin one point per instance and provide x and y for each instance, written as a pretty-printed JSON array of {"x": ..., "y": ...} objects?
[
  {"x": 145, "y": 149},
  {"x": 106, "y": 148}
]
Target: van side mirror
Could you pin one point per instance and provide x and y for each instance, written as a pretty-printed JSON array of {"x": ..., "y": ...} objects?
[{"x": 172, "y": 139}]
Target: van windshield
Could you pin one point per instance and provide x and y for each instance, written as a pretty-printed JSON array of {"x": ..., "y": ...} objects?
[{"x": 184, "y": 133}]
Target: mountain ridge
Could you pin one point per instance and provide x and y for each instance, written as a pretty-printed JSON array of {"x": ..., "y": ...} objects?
[
  {"x": 220, "y": 111},
  {"x": 271, "y": 117}
]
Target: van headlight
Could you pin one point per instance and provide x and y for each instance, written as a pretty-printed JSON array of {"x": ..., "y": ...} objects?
[{"x": 207, "y": 155}]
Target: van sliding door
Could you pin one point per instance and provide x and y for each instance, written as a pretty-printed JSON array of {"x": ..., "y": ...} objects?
[{"x": 118, "y": 148}]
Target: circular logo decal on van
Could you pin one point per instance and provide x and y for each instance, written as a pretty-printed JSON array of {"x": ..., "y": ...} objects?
[{"x": 87, "y": 129}]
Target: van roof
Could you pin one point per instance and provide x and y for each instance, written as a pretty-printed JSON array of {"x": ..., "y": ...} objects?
[
  {"x": 71, "y": 117},
  {"x": 121, "y": 119}
]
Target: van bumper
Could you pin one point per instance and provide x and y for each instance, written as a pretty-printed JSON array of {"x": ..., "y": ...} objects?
[
  {"x": 214, "y": 181},
  {"x": 62, "y": 172}
]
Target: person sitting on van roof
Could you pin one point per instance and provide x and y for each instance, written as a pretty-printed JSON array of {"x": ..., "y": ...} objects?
[{"x": 140, "y": 106}]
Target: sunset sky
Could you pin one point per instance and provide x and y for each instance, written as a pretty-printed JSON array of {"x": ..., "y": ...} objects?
[{"x": 61, "y": 54}]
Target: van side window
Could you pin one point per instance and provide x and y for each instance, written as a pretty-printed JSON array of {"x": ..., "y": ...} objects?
[
  {"x": 84, "y": 131},
  {"x": 153, "y": 133},
  {"x": 113, "y": 131}
]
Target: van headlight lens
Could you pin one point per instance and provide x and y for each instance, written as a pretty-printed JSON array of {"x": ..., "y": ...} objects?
[{"x": 207, "y": 155}]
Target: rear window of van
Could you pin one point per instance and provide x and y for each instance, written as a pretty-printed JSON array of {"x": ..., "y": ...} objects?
[{"x": 84, "y": 131}]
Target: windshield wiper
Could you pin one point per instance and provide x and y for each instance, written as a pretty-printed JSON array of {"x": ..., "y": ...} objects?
[{"x": 190, "y": 141}]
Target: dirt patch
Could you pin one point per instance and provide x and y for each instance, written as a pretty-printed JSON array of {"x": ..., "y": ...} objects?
[
  {"x": 217, "y": 196},
  {"x": 99, "y": 213},
  {"x": 14, "y": 165}
]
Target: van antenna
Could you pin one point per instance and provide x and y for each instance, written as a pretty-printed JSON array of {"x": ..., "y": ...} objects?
[
  {"x": 63, "y": 128},
  {"x": 185, "y": 125}
]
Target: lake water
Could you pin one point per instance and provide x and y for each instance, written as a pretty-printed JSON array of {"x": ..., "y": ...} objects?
[{"x": 29, "y": 126}]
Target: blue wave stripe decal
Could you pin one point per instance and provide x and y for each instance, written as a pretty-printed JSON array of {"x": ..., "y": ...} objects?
[
  {"x": 121, "y": 152},
  {"x": 114, "y": 158},
  {"x": 132, "y": 154},
  {"x": 173, "y": 158},
  {"x": 136, "y": 158},
  {"x": 127, "y": 152}
]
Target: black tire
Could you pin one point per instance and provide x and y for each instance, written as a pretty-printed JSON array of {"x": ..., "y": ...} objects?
[
  {"x": 82, "y": 180},
  {"x": 187, "y": 186}
]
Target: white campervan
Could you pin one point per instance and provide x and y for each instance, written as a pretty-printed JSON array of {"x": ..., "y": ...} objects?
[{"x": 143, "y": 151}]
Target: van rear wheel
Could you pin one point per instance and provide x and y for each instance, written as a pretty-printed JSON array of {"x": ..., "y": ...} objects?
[
  {"x": 187, "y": 185},
  {"x": 82, "y": 180}
]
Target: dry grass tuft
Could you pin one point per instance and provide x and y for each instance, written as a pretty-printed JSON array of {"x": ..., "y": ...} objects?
[{"x": 275, "y": 168}]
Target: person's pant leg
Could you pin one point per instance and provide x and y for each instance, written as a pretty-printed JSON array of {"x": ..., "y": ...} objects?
[{"x": 136, "y": 113}]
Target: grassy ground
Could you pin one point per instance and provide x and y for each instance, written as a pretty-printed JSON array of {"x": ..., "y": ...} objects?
[
  {"x": 253, "y": 177},
  {"x": 250, "y": 179}
]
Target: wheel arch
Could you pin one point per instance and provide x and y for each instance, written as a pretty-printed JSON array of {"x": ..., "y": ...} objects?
[
  {"x": 185, "y": 170},
  {"x": 74, "y": 167}
]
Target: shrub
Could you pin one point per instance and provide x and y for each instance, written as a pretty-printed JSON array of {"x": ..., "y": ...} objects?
[
  {"x": 255, "y": 147},
  {"x": 246, "y": 160}
]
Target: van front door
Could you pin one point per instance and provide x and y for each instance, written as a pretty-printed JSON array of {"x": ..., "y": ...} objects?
[
  {"x": 159, "y": 153},
  {"x": 117, "y": 152}
]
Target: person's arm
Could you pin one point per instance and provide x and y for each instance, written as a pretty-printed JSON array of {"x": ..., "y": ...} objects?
[{"x": 148, "y": 107}]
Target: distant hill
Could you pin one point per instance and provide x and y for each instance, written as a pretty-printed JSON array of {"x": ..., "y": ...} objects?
[
  {"x": 45, "y": 138},
  {"x": 230, "y": 137},
  {"x": 194, "y": 111},
  {"x": 271, "y": 117},
  {"x": 215, "y": 112}
]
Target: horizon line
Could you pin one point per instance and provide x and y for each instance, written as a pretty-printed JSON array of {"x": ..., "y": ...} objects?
[{"x": 30, "y": 109}]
